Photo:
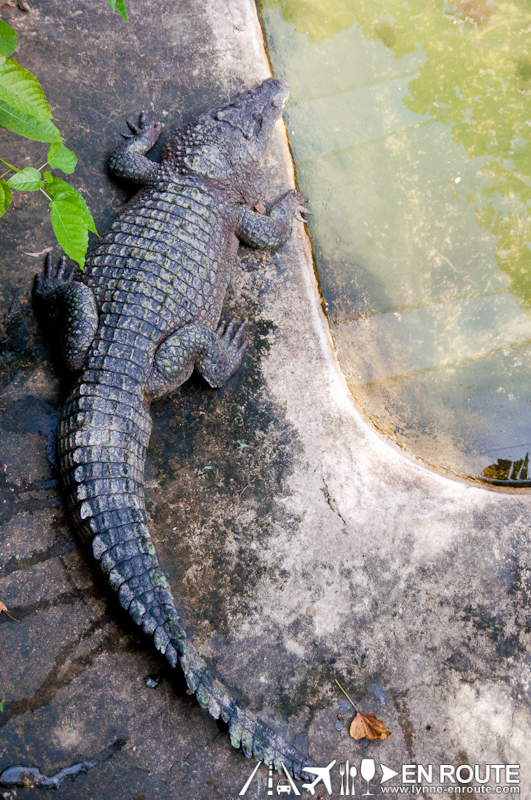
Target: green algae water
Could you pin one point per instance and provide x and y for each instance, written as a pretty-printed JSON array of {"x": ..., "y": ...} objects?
[{"x": 410, "y": 127}]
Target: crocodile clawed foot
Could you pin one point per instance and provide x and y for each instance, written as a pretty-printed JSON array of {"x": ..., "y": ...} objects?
[
  {"x": 147, "y": 128},
  {"x": 63, "y": 272},
  {"x": 53, "y": 277},
  {"x": 299, "y": 212},
  {"x": 225, "y": 356},
  {"x": 301, "y": 209},
  {"x": 134, "y": 128},
  {"x": 233, "y": 341}
]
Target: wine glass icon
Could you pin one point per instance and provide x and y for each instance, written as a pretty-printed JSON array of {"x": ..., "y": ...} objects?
[{"x": 367, "y": 772}]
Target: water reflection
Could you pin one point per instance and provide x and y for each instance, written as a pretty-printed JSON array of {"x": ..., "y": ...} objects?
[
  {"x": 512, "y": 473},
  {"x": 409, "y": 125}
]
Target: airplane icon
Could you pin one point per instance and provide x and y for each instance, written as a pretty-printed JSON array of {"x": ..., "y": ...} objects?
[{"x": 322, "y": 774}]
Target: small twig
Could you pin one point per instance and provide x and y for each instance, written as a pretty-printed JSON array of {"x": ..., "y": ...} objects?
[{"x": 346, "y": 695}]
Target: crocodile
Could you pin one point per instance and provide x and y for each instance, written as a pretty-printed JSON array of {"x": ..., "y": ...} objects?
[{"x": 135, "y": 324}]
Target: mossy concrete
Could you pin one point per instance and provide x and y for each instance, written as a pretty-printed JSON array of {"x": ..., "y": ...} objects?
[{"x": 300, "y": 546}]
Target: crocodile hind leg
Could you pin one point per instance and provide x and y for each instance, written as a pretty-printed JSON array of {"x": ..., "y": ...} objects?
[
  {"x": 129, "y": 161},
  {"x": 70, "y": 307},
  {"x": 216, "y": 356}
]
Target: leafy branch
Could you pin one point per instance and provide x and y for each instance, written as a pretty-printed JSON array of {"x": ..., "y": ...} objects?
[{"x": 25, "y": 111}]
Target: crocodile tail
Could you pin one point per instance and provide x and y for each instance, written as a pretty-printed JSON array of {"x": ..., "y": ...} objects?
[
  {"x": 103, "y": 437},
  {"x": 246, "y": 730}
]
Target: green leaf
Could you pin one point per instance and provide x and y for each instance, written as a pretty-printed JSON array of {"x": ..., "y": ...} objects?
[
  {"x": 1, "y": 706},
  {"x": 21, "y": 90},
  {"x": 69, "y": 228},
  {"x": 59, "y": 188},
  {"x": 70, "y": 218},
  {"x": 5, "y": 197},
  {"x": 28, "y": 179},
  {"x": 8, "y": 39},
  {"x": 31, "y": 128},
  {"x": 60, "y": 157},
  {"x": 119, "y": 5}
]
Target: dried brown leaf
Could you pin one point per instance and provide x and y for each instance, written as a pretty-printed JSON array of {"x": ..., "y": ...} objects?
[{"x": 367, "y": 726}]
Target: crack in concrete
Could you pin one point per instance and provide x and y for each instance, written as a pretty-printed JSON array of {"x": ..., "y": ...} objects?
[
  {"x": 66, "y": 598},
  {"x": 62, "y": 547},
  {"x": 331, "y": 502},
  {"x": 53, "y": 682}
]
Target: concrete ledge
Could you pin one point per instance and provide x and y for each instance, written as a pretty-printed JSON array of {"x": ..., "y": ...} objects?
[{"x": 309, "y": 549}]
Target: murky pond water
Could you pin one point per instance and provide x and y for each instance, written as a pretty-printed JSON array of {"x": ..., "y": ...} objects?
[{"x": 410, "y": 125}]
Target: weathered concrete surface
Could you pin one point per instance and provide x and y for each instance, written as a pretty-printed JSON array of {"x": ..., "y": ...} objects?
[{"x": 301, "y": 547}]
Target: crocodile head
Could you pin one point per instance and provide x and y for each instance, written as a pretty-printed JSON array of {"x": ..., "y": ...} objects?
[
  {"x": 227, "y": 144},
  {"x": 253, "y": 115}
]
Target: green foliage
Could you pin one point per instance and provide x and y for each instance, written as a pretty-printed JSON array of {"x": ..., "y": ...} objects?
[
  {"x": 5, "y": 197},
  {"x": 21, "y": 90},
  {"x": 8, "y": 39},
  {"x": 27, "y": 180},
  {"x": 29, "y": 127},
  {"x": 119, "y": 6},
  {"x": 60, "y": 157},
  {"x": 25, "y": 111},
  {"x": 70, "y": 216}
]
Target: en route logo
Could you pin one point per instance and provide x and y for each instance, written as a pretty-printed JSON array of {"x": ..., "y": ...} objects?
[{"x": 416, "y": 779}]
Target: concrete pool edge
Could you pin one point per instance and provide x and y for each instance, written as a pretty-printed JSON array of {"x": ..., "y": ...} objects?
[{"x": 357, "y": 563}]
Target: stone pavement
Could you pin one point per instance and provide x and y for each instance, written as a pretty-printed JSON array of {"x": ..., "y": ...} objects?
[{"x": 300, "y": 546}]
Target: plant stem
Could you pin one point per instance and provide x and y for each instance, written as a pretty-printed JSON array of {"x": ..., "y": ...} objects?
[
  {"x": 9, "y": 165},
  {"x": 346, "y": 695},
  {"x": 45, "y": 193}
]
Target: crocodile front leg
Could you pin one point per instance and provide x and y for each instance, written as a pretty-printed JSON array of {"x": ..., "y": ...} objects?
[
  {"x": 128, "y": 161},
  {"x": 216, "y": 355},
  {"x": 69, "y": 306},
  {"x": 273, "y": 229}
]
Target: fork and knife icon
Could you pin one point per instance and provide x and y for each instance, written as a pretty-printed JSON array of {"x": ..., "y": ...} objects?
[{"x": 346, "y": 771}]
